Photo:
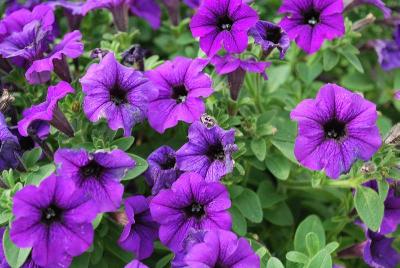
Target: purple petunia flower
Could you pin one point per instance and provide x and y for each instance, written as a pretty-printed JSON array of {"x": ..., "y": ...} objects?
[
  {"x": 136, "y": 264},
  {"x": 72, "y": 10},
  {"x": 208, "y": 152},
  {"x": 181, "y": 85},
  {"x": 190, "y": 203},
  {"x": 223, "y": 23},
  {"x": 397, "y": 95},
  {"x": 3, "y": 261},
  {"x": 40, "y": 70},
  {"x": 388, "y": 51},
  {"x": 391, "y": 218},
  {"x": 146, "y": 9},
  {"x": 269, "y": 36},
  {"x": 236, "y": 69},
  {"x": 9, "y": 147},
  {"x": 192, "y": 3},
  {"x": 55, "y": 219},
  {"x": 97, "y": 174},
  {"x": 194, "y": 237},
  {"x": 311, "y": 22},
  {"x": 140, "y": 231},
  {"x": 162, "y": 171},
  {"x": 334, "y": 130},
  {"x": 222, "y": 249},
  {"x": 117, "y": 93},
  {"x": 48, "y": 111}
]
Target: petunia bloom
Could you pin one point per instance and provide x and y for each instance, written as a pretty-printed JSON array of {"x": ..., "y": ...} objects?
[
  {"x": 269, "y": 36},
  {"x": 97, "y": 174},
  {"x": 391, "y": 218},
  {"x": 388, "y": 51},
  {"x": 222, "y": 248},
  {"x": 182, "y": 86},
  {"x": 236, "y": 69},
  {"x": 162, "y": 171},
  {"x": 55, "y": 219},
  {"x": 140, "y": 231},
  {"x": 310, "y": 22},
  {"x": 48, "y": 111},
  {"x": 208, "y": 152},
  {"x": 193, "y": 237},
  {"x": 334, "y": 130},
  {"x": 146, "y": 9},
  {"x": 190, "y": 203},
  {"x": 223, "y": 23},
  {"x": 9, "y": 147},
  {"x": 117, "y": 93},
  {"x": 72, "y": 10}
]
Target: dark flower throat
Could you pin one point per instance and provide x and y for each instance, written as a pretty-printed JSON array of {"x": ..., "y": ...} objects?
[
  {"x": 169, "y": 163},
  {"x": 51, "y": 214},
  {"x": 179, "y": 93},
  {"x": 118, "y": 95},
  {"x": 92, "y": 169},
  {"x": 335, "y": 129},
  {"x": 216, "y": 152},
  {"x": 274, "y": 35},
  {"x": 195, "y": 210},
  {"x": 224, "y": 23},
  {"x": 311, "y": 17}
]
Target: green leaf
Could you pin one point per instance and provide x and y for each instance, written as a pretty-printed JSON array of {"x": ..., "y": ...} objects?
[
  {"x": 354, "y": 60},
  {"x": 369, "y": 207},
  {"x": 164, "y": 261},
  {"x": 235, "y": 191},
  {"x": 81, "y": 261},
  {"x": 278, "y": 165},
  {"x": 383, "y": 189},
  {"x": 259, "y": 148},
  {"x": 268, "y": 195},
  {"x": 297, "y": 257},
  {"x": 331, "y": 247},
  {"x": 312, "y": 244},
  {"x": 310, "y": 224},
  {"x": 249, "y": 205},
  {"x": 124, "y": 143},
  {"x": 279, "y": 214},
  {"x": 330, "y": 59},
  {"x": 274, "y": 263},
  {"x": 239, "y": 223},
  {"x": 38, "y": 176},
  {"x": 140, "y": 167},
  {"x": 15, "y": 256},
  {"x": 30, "y": 158},
  {"x": 321, "y": 260}
]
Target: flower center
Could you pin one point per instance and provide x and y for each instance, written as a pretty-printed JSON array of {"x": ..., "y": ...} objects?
[
  {"x": 169, "y": 163},
  {"x": 274, "y": 35},
  {"x": 219, "y": 265},
  {"x": 118, "y": 96},
  {"x": 216, "y": 152},
  {"x": 224, "y": 23},
  {"x": 335, "y": 129},
  {"x": 92, "y": 169},
  {"x": 195, "y": 210},
  {"x": 179, "y": 93},
  {"x": 311, "y": 17},
  {"x": 51, "y": 214}
]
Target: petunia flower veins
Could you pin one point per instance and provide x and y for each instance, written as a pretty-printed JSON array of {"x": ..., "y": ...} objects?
[
  {"x": 208, "y": 152},
  {"x": 190, "y": 203},
  {"x": 140, "y": 231},
  {"x": 310, "y": 22},
  {"x": 55, "y": 219},
  {"x": 182, "y": 86},
  {"x": 97, "y": 174},
  {"x": 223, "y": 23},
  {"x": 334, "y": 130},
  {"x": 117, "y": 93}
]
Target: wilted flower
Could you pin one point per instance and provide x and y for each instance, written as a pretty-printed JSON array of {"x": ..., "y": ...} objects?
[
  {"x": 223, "y": 23},
  {"x": 182, "y": 86},
  {"x": 222, "y": 248},
  {"x": 334, "y": 130},
  {"x": 146, "y": 9},
  {"x": 9, "y": 147},
  {"x": 310, "y": 22},
  {"x": 134, "y": 56},
  {"x": 236, "y": 69},
  {"x": 97, "y": 174},
  {"x": 48, "y": 111},
  {"x": 141, "y": 231},
  {"x": 190, "y": 203},
  {"x": 162, "y": 171},
  {"x": 208, "y": 152},
  {"x": 117, "y": 93},
  {"x": 269, "y": 36},
  {"x": 55, "y": 219}
]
